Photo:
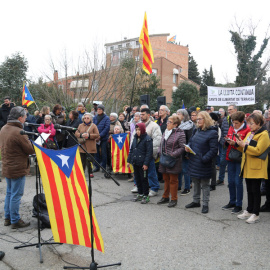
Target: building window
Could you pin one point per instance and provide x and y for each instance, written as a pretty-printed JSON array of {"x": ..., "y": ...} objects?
[
  {"x": 111, "y": 48},
  {"x": 137, "y": 58},
  {"x": 175, "y": 78},
  {"x": 115, "y": 58},
  {"x": 137, "y": 43},
  {"x": 128, "y": 45},
  {"x": 154, "y": 71},
  {"x": 120, "y": 46}
]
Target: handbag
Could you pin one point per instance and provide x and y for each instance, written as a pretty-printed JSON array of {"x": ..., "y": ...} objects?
[
  {"x": 51, "y": 144},
  {"x": 165, "y": 159},
  {"x": 235, "y": 155},
  {"x": 83, "y": 140}
]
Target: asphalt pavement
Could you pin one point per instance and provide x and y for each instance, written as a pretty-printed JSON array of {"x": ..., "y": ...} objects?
[{"x": 147, "y": 236}]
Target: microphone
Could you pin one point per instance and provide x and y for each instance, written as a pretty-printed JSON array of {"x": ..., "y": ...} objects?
[
  {"x": 23, "y": 132},
  {"x": 57, "y": 126},
  {"x": 31, "y": 124}
]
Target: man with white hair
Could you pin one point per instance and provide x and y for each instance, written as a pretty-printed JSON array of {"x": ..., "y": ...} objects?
[{"x": 163, "y": 117}]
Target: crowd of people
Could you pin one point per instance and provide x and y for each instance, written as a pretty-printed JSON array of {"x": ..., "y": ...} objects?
[{"x": 184, "y": 150}]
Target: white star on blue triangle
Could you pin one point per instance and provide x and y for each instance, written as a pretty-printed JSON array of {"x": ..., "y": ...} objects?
[
  {"x": 27, "y": 94},
  {"x": 64, "y": 159},
  {"x": 120, "y": 139}
]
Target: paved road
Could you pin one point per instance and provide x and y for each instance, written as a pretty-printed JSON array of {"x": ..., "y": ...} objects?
[{"x": 145, "y": 236}]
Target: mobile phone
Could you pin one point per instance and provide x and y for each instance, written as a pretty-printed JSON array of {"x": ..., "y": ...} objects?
[
  {"x": 236, "y": 136},
  {"x": 227, "y": 139}
]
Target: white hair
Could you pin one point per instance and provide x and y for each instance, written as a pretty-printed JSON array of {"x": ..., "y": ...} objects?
[
  {"x": 115, "y": 115},
  {"x": 144, "y": 106},
  {"x": 166, "y": 108},
  {"x": 90, "y": 115}
]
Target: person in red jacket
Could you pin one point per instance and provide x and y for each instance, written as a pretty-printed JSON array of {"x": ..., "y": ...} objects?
[
  {"x": 48, "y": 127},
  {"x": 239, "y": 129}
]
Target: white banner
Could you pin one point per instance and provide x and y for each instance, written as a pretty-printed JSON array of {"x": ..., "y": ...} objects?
[{"x": 221, "y": 96}]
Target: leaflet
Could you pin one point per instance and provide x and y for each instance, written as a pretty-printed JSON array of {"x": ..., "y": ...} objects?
[{"x": 191, "y": 151}]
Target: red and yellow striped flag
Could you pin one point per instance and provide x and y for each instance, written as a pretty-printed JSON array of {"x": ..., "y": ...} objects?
[
  {"x": 120, "y": 151},
  {"x": 67, "y": 197},
  {"x": 148, "y": 58}
]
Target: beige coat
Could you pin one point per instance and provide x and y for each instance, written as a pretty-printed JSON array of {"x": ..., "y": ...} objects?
[{"x": 90, "y": 144}]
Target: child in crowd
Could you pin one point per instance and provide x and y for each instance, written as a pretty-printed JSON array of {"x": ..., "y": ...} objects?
[{"x": 139, "y": 156}]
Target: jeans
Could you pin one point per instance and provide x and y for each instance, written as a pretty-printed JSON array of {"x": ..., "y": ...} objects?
[
  {"x": 185, "y": 173},
  {"x": 101, "y": 155},
  {"x": 15, "y": 189},
  {"x": 218, "y": 156},
  {"x": 223, "y": 163},
  {"x": 235, "y": 183},
  {"x": 152, "y": 176},
  {"x": 201, "y": 184}
]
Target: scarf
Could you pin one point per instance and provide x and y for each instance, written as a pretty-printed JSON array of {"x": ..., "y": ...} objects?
[
  {"x": 88, "y": 123},
  {"x": 186, "y": 125},
  {"x": 167, "y": 134},
  {"x": 236, "y": 130}
]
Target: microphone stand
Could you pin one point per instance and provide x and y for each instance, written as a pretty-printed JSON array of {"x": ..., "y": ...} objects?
[
  {"x": 38, "y": 187},
  {"x": 93, "y": 265}
]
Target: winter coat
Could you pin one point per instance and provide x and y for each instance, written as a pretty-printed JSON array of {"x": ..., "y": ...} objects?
[
  {"x": 226, "y": 123},
  {"x": 90, "y": 144},
  {"x": 4, "y": 113},
  {"x": 205, "y": 144},
  {"x": 103, "y": 127},
  {"x": 242, "y": 133},
  {"x": 141, "y": 153},
  {"x": 15, "y": 149},
  {"x": 70, "y": 141},
  {"x": 60, "y": 120},
  {"x": 251, "y": 165},
  {"x": 174, "y": 146},
  {"x": 162, "y": 125},
  {"x": 187, "y": 127},
  {"x": 153, "y": 130},
  {"x": 29, "y": 119},
  {"x": 47, "y": 129}
]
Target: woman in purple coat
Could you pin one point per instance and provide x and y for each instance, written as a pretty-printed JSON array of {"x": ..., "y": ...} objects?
[{"x": 172, "y": 144}]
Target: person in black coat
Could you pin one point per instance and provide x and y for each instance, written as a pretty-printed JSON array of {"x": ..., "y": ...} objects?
[
  {"x": 204, "y": 143},
  {"x": 74, "y": 122},
  {"x": 5, "y": 110},
  {"x": 140, "y": 155}
]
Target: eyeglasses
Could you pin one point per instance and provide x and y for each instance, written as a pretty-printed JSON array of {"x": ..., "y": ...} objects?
[
  {"x": 169, "y": 122},
  {"x": 47, "y": 119},
  {"x": 194, "y": 115},
  {"x": 251, "y": 124},
  {"x": 161, "y": 109},
  {"x": 200, "y": 119}
]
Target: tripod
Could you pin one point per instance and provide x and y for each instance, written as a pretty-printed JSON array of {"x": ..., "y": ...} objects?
[
  {"x": 38, "y": 191},
  {"x": 93, "y": 265}
]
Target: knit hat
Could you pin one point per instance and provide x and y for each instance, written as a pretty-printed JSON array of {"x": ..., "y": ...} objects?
[
  {"x": 102, "y": 107},
  {"x": 16, "y": 112},
  {"x": 142, "y": 127}
]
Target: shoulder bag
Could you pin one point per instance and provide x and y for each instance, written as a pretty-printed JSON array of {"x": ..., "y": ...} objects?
[
  {"x": 235, "y": 155},
  {"x": 83, "y": 140},
  {"x": 165, "y": 159}
]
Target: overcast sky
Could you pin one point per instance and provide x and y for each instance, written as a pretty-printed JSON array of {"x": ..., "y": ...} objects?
[{"x": 41, "y": 30}]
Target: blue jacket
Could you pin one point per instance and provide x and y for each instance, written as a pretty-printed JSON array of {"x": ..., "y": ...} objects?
[
  {"x": 141, "y": 153},
  {"x": 205, "y": 144},
  {"x": 29, "y": 119},
  {"x": 103, "y": 127},
  {"x": 226, "y": 123}
]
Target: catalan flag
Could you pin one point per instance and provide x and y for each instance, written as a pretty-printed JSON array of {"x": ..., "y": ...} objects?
[
  {"x": 172, "y": 39},
  {"x": 27, "y": 98},
  {"x": 120, "y": 151},
  {"x": 67, "y": 197},
  {"x": 148, "y": 58}
]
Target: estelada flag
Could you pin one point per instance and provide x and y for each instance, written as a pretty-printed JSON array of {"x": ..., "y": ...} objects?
[
  {"x": 172, "y": 39},
  {"x": 67, "y": 197},
  {"x": 148, "y": 58},
  {"x": 120, "y": 151},
  {"x": 27, "y": 98}
]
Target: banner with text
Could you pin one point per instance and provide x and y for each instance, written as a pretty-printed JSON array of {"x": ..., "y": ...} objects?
[{"x": 221, "y": 96}]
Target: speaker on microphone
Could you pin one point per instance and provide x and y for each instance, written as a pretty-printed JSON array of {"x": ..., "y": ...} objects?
[
  {"x": 161, "y": 101},
  {"x": 145, "y": 99}
]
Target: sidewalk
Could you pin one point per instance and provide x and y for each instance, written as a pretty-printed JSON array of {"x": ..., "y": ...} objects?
[{"x": 145, "y": 236}]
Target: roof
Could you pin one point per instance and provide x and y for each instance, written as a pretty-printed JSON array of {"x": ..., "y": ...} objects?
[{"x": 132, "y": 39}]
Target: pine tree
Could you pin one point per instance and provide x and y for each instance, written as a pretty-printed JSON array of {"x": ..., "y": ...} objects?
[{"x": 193, "y": 73}]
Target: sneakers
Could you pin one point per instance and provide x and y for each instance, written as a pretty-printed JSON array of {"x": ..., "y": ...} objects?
[
  {"x": 7, "y": 222},
  {"x": 139, "y": 197},
  {"x": 253, "y": 219},
  {"x": 185, "y": 192},
  {"x": 134, "y": 190},
  {"x": 145, "y": 200},
  {"x": 236, "y": 210},
  {"x": 20, "y": 224},
  {"x": 220, "y": 183},
  {"x": 245, "y": 215},
  {"x": 153, "y": 193},
  {"x": 228, "y": 206}
]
